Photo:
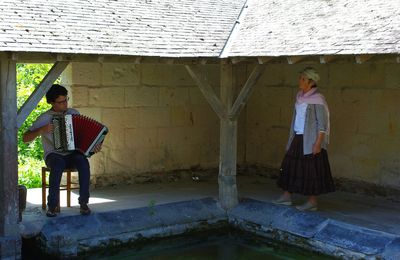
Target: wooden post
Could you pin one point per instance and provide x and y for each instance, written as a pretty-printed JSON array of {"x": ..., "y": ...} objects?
[
  {"x": 228, "y": 113},
  {"x": 40, "y": 91},
  {"x": 228, "y": 195},
  {"x": 10, "y": 241}
]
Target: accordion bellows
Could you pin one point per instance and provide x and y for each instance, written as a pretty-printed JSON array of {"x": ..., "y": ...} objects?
[{"x": 77, "y": 132}]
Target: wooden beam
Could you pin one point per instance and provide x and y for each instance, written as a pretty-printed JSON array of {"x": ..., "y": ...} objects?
[
  {"x": 326, "y": 59},
  {"x": 40, "y": 91},
  {"x": 203, "y": 61},
  {"x": 363, "y": 58},
  {"x": 237, "y": 60},
  {"x": 8, "y": 149},
  {"x": 207, "y": 90},
  {"x": 294, "y": 59},
  {"x": 246, "y": 91},
  {"x": 169, "y": 61},
  {"x": 100, "y": 59},
  {"x": 263, "y": 60},
  {"x": 14, "y": 56},
  {"x": 228, "y": 195}
]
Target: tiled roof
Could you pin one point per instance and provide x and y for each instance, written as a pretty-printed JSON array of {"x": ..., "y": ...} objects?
[
  {"x": 201, "y": 28},
  {"x": 312, "y": 27},
  {"x": 168, "y": 28}
]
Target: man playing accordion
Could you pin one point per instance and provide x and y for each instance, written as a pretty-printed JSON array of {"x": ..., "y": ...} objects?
[{"x": 56, "y": 160}]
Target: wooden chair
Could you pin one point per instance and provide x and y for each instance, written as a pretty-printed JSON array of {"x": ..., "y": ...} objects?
[{"x": 68, "y": 187}]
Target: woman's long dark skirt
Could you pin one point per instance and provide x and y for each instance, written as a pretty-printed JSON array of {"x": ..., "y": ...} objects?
[{"x": 305, "y": 174}]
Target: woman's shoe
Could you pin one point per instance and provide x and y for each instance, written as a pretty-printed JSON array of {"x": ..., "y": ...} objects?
[
  {"x": 308, "y": 206},
  {"x": 283, "y": 201}
]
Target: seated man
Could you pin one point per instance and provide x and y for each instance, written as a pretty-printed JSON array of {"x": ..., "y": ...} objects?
[{"x": 57, "y": 161}]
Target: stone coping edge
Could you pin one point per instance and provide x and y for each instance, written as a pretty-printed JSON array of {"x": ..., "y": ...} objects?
[{"x": 76, "y": 235}]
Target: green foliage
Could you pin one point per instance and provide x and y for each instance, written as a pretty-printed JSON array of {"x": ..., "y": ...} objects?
[
  {"x": 30, "y": 156},
  {"x": 29, "y": 172}
]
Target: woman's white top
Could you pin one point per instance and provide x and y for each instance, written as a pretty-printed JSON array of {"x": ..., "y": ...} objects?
[{"x": 300, "y": 118}]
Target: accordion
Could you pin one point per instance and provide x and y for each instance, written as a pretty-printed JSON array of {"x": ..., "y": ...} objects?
[{"x": 77, "y": 132}]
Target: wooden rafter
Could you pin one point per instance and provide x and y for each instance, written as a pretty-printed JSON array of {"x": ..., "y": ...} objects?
[
  {"x": 294, "y": 59},
  {"x": 326, "y": 59},
  {"x": 40, "y": 91},
  {"x": 363, "y": 58},
  {"x": 263, "y": 60}
]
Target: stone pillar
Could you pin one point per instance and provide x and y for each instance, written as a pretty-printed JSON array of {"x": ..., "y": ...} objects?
[{"x": 10, "y": 241}]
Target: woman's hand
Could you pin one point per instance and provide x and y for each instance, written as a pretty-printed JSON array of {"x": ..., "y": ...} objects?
[{"x": 316, "y": 148}]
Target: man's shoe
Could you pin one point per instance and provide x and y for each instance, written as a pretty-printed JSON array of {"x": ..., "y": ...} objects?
[
  {"x": 85, "y": 210},
  {"x": 283, "y": 201},
  {"x": 308, "y": 206},
  {"x": 51, "y": 212}
]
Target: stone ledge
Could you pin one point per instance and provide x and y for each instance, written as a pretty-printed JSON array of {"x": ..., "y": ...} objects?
[
  {"x": 78, "y": 235},
  {"x": 73, "y": 235},
  {"x": 312, "y": 231},
  {"x": 10, "y": 247}
]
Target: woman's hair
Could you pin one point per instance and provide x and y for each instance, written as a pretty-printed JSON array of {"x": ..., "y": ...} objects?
[{"x": 54, "y": 92}]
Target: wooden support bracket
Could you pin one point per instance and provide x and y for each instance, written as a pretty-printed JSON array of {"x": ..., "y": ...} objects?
[
  {"x": 326, "y": 59},
  {"x": 40, "y": 91},
  {"x": 207, "y": 90},
  {"x": 294, "y": 59},
  {"x": 363, "y": 58}
]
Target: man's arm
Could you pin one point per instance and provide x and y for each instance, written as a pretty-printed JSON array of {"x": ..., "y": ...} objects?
[{"x": 29, "y": 136}]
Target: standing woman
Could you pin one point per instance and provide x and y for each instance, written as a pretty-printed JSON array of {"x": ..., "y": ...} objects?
[{"x": 305, "y": 168}]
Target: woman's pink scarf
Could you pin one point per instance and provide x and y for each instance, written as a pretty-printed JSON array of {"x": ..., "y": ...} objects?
[{"x": 314, "y": 97}]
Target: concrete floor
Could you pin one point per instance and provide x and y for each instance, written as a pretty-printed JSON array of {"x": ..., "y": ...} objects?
[{"x": 365, "y": 211}]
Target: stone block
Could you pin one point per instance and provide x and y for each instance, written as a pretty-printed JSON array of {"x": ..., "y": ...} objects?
[
  {"x": 141, "y": 96},
  {"x": 120, "y": 161},
  {"x": 85, "y": 73},
  {"x": 209, "y": 155},
  {"x": 196, "y": 97},
  {"x": 97, "y": 162},
  {"x": 272, "y": 76},
  {"x": 181, "y": 116},
  {"x": 174, "y": 96},
  {"x": 353, "y": 238},
  {"x": 392, "y": 76},
  {"x": 120, "y": 74},
  {"x": 154, "y": 117},
  {"x": 140, "y": 138},
  {"x": 80, "y": 96},
  {"x": 340, "y": 75},
  {"x": 341, "y": 164},
  {"x": 94, "y": 113},
  {"x": 115, "y": 138},
  {"x": 121, "y": 117},
  {"x": 392, "y": 250},
  {"x": 10, "y": 247},
  {"x": 107, "y": 97},
  {"x": 365, "y": 168},
  {"x": 368, "y": 75},
  {"x": 165, "y": 75},
  {"x": 174, "y": 137},
  {"x": 150, "y": 159},
  {"x": 204, "y": 116}
]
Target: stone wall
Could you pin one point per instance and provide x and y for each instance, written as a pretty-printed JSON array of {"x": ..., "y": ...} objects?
[
  {"x": 365, "y": 118},
  {"x": 158, "y": 119}
]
